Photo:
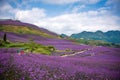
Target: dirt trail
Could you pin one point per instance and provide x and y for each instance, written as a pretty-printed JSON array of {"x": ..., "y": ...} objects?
[{"x": 66, "y": 55}]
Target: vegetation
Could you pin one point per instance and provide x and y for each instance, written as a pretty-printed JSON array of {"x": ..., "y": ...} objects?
[
  {"x": 52, "y": 48},
  {"x": 24, "y": 30},
  {"x": 97, "y": 43},
  {"x": 30, "y": 46},
  {"x": 103, "y": 65},
  {"x": 68, "y": 50},
  {"x": 5, "y": 38},
  {"x": 110, "y": 36},
  {"x": 4, "y": 41},
  {"x": 63, "y": 36}
]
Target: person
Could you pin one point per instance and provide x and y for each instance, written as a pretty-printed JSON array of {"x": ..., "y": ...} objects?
[
  {"x": 22, "y": 52},
  {"x": 18, "y": 51}
]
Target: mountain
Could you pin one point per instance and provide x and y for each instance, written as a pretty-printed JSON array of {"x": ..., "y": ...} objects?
[
  {"x": 110, "y": 36},
  {"x": 63, "y": 36}
]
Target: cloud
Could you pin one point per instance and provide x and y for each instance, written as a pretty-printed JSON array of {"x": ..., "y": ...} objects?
[
  {"x": 32, "y": 15},
  {"x": 78, "y": 22},
  {"x": 93, "y": 1},
  {"x": 59, "y": 1},
  {"x": 70, "y": 1},
  {"x": 77, "y": 8},
  {"x": 115, "y": 6},
  {"x": 68, "y": 23},
  {"x": 6, "y": 11}
]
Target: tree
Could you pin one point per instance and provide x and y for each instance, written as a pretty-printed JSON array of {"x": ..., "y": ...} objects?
[{"x": 5, "y": 37}]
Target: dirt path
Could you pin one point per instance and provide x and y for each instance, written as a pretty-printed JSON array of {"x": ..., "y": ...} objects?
[{"x": 66, "y": 55}]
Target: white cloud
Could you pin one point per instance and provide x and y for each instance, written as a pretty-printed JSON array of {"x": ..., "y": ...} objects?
[
  {"x": 59, "y": 1},
  {"x": 93, "y": 1},
  {"x": 71, "y": 23},
  {"x": 77, "y": 8},
  {"x": 68, "y": 23},
  {"x": 70, "y": 1},
  {"x": 112, "y": 1},
  {"x": 77, "y": 22},
  {"x": 115, "y": 5},
  {"x": 32, "y": 15},
  {"x": 5, "y": 11}
]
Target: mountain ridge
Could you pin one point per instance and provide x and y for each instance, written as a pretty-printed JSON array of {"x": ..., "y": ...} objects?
[{"x": 109, "y": 36}]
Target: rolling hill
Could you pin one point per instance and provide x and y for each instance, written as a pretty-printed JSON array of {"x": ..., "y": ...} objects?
[
  {"x": 19, "y": 27},
  {"x": 18, "y": 31}
]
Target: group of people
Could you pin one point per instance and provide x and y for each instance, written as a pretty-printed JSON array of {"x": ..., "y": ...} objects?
[{"x": 22, "y": 51}]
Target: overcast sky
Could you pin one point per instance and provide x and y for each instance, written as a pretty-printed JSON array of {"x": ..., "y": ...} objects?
[{"x": 65, "y": 16}]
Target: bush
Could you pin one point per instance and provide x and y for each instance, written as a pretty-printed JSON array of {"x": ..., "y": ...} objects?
[
  {"x": 51, "y": 48},
  {"x": 5, "y": 37},
  {"x": 1, "y": 43},
  {"x": 68, "y": 50}
]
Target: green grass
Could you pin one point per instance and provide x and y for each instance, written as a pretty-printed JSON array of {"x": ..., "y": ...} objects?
[
  {"x": 29, "y": 47},
  {"x": 24, "y": 30},
  {"x": 97, "y": 43}
]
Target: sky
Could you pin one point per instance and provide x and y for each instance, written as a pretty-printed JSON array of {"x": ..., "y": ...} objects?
[{"x": 65, "y": 16}]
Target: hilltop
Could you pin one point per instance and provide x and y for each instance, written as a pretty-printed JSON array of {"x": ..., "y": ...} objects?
[
  {"x": 16, "y": 26},
  {"x": 18, "y": 31}
]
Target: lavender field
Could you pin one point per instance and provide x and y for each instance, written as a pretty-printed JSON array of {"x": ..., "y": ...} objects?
[
  {"x": 59, "y": 40},
  {"x": 104, "y": 64},
  {"x": 63, "y": 59}
]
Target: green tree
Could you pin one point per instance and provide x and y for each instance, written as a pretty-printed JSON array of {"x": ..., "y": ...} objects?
[{"x": 5, "y": 37}]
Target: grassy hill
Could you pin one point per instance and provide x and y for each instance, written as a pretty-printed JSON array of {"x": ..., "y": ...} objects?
[
  {"x": 24, "y": 28},
  {"x": 24, "y": 35}
]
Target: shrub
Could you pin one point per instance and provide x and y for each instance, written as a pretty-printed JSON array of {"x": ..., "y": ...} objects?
[
  {"x": 51, "y": 48},
  {"x": 5, "y": 37},
  {"x": 68, "y": 50}
]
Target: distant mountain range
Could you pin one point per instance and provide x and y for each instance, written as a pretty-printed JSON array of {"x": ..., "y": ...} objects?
[{"x": 110, "y": 36}]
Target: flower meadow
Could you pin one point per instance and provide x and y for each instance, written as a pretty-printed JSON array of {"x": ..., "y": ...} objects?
[
  {"x": 103, "y": 65},
  {"x": 60, "y": 44}
]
